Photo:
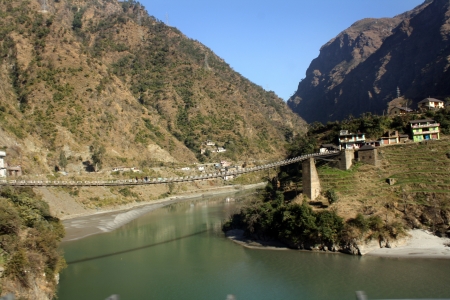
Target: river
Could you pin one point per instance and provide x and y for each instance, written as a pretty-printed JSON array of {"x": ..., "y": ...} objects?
[{"x": 179, "y": 252}]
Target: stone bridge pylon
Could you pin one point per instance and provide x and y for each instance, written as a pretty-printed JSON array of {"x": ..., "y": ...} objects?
[{"x": 310, "y": 179}]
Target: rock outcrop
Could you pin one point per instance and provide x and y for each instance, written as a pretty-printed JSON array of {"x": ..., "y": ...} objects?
[{"x": 359, "y": 70}]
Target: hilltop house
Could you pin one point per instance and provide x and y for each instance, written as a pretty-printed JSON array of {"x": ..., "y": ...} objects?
[
  {"x": 398, "y": 110},
  {"x": 348, "y": 140},
  {"x": 430, "y": 104},
  {"x": 425, "y": 129}
]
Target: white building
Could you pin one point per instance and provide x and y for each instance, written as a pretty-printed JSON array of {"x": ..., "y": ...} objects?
[{"x": 2, "y": 164}]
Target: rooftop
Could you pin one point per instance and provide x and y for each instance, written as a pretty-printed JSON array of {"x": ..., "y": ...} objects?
[
  {"x": 367, "y": 147},
  {"x": 421, "y": 121},
  {"x": 430, "y": 100},
  {"x": 404, "y": 108}
]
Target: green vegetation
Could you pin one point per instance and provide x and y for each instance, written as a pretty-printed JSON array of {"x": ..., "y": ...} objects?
[
  {"x": 126, "y": 192},
  {"x": 62, "y": 160},
  {"x": 29, "y": 239},
  {"x": 98, "y": 154},
  {"x": 372, "y": 125},
  {"x": 298, "y": 225},
  {"x": 362, "y": 205},
  {"x": 331, "y": 196},
  {"x": 301, "y": 226}
]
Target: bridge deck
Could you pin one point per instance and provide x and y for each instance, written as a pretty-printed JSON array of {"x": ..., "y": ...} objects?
[{"x": 133, "y": 182}]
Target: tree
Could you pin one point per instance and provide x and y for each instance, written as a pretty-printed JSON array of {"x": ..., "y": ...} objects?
[
  {"x": 98, "y": 153},
  {"x": 77, "y": 22},
  {"x": 62, "y": 159}
]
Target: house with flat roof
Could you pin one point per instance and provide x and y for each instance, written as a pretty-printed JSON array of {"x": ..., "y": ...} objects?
[
  {"x": 425, "y": 129},
  {"x": 389, "y": 138},
  {"x": 348, "y": 140},
  {"x": 430, "y": 104}
]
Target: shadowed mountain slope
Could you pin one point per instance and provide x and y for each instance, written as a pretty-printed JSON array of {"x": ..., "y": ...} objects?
[{"x": 359, "y": 70}]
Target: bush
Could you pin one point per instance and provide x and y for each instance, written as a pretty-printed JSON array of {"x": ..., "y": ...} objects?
[{"x": 331, "y": 196}]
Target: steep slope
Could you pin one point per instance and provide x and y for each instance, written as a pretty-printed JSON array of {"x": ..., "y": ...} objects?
[
  {"x": 360, "y": 69},
  {"x": 84, "y": 76}
]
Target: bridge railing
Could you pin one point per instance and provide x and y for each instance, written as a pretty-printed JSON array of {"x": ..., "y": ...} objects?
[{"x": 159, "y": 180}]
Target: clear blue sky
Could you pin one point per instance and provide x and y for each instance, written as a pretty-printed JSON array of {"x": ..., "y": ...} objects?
[{"x": 272, "y": 42}]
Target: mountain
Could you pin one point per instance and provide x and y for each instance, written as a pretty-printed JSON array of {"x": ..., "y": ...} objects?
[
  {"x": 360, "y": 69},
  {"x": 84, "y": 77}
]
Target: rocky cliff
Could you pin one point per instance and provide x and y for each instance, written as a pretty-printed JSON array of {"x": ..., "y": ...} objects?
[{"x": 359, "y": 70}]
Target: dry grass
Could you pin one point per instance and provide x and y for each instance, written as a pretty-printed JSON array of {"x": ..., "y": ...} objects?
[{"x": 421, "y": 171}]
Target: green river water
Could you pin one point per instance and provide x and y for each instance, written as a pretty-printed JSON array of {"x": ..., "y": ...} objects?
[{"x": 179, "y": 252}]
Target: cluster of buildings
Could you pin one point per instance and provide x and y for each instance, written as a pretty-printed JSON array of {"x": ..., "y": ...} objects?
[
  {"x": 6, "y": 170},
  {"x": 211, "y": 146},
  {"x": 223, "y": 166},
  {"x": 366, "y": 151},
  {"x": 125, "y": 169},
  {"x": 421, "y": 130},
  {"x": 424, "y": 105}
]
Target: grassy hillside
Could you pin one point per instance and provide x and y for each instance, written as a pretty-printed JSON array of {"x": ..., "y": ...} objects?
[
  {"x": 92, "y": 75},
  {"x": 419, "y": 195}
]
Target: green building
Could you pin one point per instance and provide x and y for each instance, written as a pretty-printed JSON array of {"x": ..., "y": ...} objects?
[{"x": 425, "y": 129}]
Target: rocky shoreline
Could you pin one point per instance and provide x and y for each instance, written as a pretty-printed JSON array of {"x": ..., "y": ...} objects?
[{"x": 418, "y": 244}]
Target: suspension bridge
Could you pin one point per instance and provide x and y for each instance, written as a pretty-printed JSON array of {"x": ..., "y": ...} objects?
[{"x": 159, "y": 180}]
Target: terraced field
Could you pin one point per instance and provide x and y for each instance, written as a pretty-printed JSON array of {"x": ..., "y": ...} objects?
[
  {"x": 421, "y": 173},
  {"x": 420, "y": 167}
]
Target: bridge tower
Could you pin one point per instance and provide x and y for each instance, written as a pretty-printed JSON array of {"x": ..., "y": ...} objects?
[
  {"x": 345, "y": 159},
  {"x": 310, "y": 179}
]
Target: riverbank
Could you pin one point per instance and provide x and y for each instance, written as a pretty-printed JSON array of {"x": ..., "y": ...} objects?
[
  {"x": 93, "y": 222},
  {"x": 419, "y": 244}
]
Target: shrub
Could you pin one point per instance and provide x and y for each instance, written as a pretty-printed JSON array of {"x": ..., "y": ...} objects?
[{"x": 331, "y": 196}]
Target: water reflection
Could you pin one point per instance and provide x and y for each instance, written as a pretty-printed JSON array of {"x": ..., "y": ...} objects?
[
  {"x": 133, "y": 249},
  {"x": 179, "y": 252}
]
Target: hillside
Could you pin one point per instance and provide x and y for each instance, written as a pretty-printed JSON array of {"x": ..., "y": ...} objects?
[
  {"x": 419, "y": 196},
  {"x": 29, "y": 239},
  {"x": 103, "y": 77},
  {"x": 359, "y": 70},
  {"x": 365, "y": 206}
]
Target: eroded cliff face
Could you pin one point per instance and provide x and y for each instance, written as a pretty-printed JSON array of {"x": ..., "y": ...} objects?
[{"x": 360, "y": 69}]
